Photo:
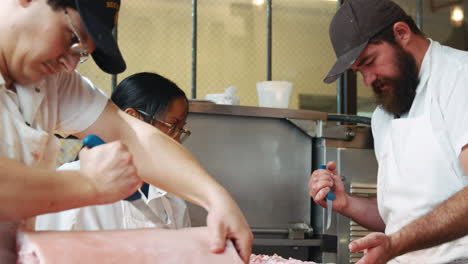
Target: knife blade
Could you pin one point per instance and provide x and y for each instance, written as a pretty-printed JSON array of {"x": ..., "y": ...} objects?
[{"x": 330, "y": 197}]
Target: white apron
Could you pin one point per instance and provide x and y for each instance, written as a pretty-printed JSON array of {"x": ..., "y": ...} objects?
[
  {"x": 418, "y": 170},
  {"x": 23, "y": 140}
]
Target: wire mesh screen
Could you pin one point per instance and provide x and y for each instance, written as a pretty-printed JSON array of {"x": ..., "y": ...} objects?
[
  {"x": 155, "y": 36},
  {"x": 100, "y": 79},
  {"x": 302, "y": 52},
  {"x": 233, "y": 46}
]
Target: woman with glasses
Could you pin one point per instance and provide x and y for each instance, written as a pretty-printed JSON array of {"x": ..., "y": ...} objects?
[
  {"x": 155, "y": 100},
  {"x": 161, "y": 103}
]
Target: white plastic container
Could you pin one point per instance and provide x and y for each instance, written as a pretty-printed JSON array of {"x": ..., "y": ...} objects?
[{"x": 274, "y": 93}]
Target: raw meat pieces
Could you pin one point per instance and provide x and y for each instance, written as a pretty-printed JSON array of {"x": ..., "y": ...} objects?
[
  {"x": 143, "y": 246},
  {"x": 275, "y": 259}
]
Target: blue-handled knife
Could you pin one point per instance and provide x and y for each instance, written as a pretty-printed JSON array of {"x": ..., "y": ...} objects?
[
  {"x": 329, "y": 198},
  {"x": 91, "y": 141}
]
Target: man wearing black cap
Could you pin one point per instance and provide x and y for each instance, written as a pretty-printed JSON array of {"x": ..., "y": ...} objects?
[
  {"x": 420, "y": 131},
  {"x": 41, "y": 94}
]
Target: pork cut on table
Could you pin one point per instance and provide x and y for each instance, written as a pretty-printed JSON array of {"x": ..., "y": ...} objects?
[
  {"x": 143, "y": 246},
  {"x": 275, "y": 259}
]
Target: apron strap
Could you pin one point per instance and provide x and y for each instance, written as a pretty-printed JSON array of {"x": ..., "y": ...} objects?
[{"x": 442, "y": 136}]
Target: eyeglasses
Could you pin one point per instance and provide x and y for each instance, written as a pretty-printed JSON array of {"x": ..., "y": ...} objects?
[
  {"x": 172, "y": 131},
  {"x": 77, "y": 47}
]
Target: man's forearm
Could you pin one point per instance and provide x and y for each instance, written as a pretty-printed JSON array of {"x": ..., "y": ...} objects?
[
  {"x": 446, "y": 222},
  {"x": 26, "y": 192},
  {"x": 365, "y": 212},
  {"x": 160, "y": 160},
  {"x": 164, "y": 163}
]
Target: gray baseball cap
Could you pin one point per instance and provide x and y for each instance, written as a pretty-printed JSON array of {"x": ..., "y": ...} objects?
[{"x": 353, "y": 25}]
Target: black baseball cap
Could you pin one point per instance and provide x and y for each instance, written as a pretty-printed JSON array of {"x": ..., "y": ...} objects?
[
  {"x": 353, "y": 25},
  {"x": 100, "y": 18}
]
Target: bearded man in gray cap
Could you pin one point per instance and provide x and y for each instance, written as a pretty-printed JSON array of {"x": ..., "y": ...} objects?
[
  {"x": 41, "y": 94},
  {"x": 420, "y": 130}
]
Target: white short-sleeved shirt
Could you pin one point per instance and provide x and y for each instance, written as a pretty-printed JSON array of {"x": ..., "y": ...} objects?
[{"x": 63, "y": 103}]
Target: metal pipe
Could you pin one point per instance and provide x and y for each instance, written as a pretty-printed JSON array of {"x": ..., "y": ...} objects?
[
  {"x": 419, "y": 14},
  {"x": 288, "y": 242},
  {"x": 270, "y": 231},
  {"x": 435, "y": 7},
  {"x": 339, "y": 83},
  {"x": 194, "y": 49},
  {"x": 339, "y": 99},
  {"x": 113, "y": 81},
  {"x": 346, "y": 97},
  {"x": 269, "y": 39},
  {"x": 114, "y": 76},
  {"x": 349, "y": 119}
]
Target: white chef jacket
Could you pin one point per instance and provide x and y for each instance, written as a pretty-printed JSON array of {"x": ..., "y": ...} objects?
[
  {"x": 63, "y": 103},
  {"x": 159, "y": 210},
  {"x": 418, "y": 153}
]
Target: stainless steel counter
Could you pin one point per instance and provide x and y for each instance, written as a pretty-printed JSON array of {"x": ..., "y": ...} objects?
[
  {"x": 250, "y": 111},
  {"x": 258, "y": 159}
]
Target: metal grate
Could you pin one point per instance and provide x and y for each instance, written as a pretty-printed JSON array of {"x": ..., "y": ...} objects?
[
  {"x": 155, "y": 35},
  {"x": 357, "y": 231}
]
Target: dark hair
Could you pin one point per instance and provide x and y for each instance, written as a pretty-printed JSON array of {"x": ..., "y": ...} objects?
[
  {"x": 60, "y": 4},
  {"x": 387, "y": 34},
  {"x": 148, "y": 92}
]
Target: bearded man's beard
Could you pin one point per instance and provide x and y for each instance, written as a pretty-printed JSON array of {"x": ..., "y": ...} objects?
[{"x": 402, "y": 89}]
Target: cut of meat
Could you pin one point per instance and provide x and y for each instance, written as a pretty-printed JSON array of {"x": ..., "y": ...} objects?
[
  {"x": 275, "y": 259},
  {"x": 143, "y": 246}
]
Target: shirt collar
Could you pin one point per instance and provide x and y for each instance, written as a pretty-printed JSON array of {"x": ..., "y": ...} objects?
[
  {"x": 425, "y": 69},
  {"x": 155, "y": 193}
]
